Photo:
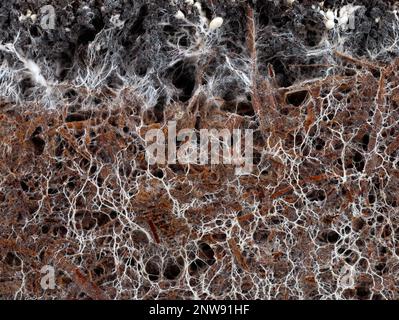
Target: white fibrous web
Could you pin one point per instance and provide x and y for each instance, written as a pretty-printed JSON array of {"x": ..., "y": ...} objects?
[{"x": 317, "y": 218}]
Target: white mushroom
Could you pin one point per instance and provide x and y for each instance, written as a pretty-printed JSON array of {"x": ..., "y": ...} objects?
[
  {"x": 330, "y": 24},
  {"x": 216, "y": 23},
  {"x": 179, "y": 15},
  {"x": 33, "y": 17}
]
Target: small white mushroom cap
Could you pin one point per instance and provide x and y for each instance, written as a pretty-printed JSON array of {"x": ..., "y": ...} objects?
[
  {"x": 179, "y": 15},
  {"x": 216, "y": 23},
  {"x": 33, "y": 17}
]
